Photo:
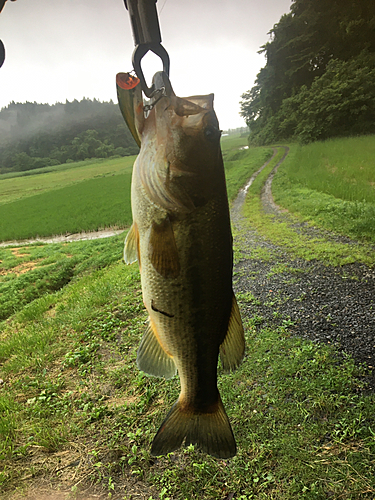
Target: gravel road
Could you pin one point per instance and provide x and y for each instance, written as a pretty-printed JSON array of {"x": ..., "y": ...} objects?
[{"x": 327, "y": 304}]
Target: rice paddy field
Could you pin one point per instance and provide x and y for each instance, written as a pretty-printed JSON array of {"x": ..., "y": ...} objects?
[
  {"x": 17, "y": 185},
  {"x": 88, "y": 197}
]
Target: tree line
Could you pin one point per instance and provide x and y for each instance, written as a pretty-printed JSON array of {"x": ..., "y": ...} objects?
[
  {"x": 318, "y": 79},
  {"x": 36, "y": 135}
]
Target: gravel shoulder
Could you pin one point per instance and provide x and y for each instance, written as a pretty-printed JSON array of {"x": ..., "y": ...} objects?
[{"x": 322, "y": 303}]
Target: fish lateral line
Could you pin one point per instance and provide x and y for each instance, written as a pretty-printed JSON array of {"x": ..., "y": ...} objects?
[{"x": 160, "y": 311}]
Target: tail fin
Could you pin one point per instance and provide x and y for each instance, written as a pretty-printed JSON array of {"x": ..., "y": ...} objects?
[{"x": 210, "y": 431}]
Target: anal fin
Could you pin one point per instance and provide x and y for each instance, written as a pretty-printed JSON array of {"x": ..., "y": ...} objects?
[
  {"x": 131, "y": 248},
  {"x": 151, "y": 357},
  {"x": 163, "y": 250},
  {"x": 232, "y": 350}
]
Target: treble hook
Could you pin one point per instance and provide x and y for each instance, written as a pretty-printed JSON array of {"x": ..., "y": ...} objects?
[{"x": 147, "y": 37}]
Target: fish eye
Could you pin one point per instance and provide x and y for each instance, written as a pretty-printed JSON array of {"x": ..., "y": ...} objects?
[{"x": 211, "y": 133}]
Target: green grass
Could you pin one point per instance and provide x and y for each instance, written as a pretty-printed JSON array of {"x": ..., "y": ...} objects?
[
  {"x": 283, "y": 234},
  {"x": 233, "y": 142},
  {"x": 89, "y": 205},
  {"x": 343, "y": 168},
  {"x": 75, "y": 412},
  {"x": 15, "y": 186},
  {"x": 331, "y": 184},
  {"x": 303, "y": 428},
  {"x": 27, "y": 273}
]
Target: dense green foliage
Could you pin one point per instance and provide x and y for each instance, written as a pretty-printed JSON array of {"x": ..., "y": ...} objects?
[
  {"x": 317, "y": 79},
  {"x": 38, "y": 135}
]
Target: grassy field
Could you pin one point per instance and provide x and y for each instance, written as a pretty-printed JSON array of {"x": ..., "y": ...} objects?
[
  {"x": 331, "y": 184},
  {"x": 283, "y": 234},
  {"x": 25, "y": 184},
  {"x": 77, "y": 415},
  {"x": 18, "y": 185},
  {"x": 75, "y": 412},
  {"x": 343, "y": 168},
  {"x": 29, "y": 272},
  {"x": 87, "y": 206}
]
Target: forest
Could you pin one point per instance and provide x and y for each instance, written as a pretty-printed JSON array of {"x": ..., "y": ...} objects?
[
  {"x": 318, "y": 81},
  {"x": 38, "y": 135}
]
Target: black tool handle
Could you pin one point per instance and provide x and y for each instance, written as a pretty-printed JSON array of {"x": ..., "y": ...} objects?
[{"x": 144, "y": 21}]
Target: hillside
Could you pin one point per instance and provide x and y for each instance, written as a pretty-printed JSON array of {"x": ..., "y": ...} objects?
[{"x": 37, "y": 135}]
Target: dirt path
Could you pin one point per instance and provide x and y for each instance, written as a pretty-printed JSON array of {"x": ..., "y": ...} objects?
[{"x": 322, "y": 303}]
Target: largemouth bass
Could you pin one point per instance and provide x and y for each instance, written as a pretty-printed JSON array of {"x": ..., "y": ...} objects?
[{"x": 181, "y": 237}]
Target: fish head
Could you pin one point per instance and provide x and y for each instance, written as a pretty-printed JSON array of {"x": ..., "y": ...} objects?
[
  {"x": 187, "y": 164},
  {"x": 180, "y": 165},
  {"x": 194, "y": 127}
]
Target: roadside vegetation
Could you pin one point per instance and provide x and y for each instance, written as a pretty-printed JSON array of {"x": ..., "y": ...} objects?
[
  {"x": 331, "y": 184},
  {"x": 284, "y": 234},
  {"x": 77, "y": 415}
]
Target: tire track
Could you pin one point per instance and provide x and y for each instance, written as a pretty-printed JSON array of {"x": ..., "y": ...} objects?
[
  {"x": 323, "y": 303},
  {"x": 269, "y": 204}
]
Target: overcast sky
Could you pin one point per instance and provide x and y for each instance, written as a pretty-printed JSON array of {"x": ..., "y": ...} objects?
[{"x": 70, "y": 49}]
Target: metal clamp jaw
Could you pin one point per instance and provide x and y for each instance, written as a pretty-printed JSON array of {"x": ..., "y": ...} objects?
[
  {"x": 2, "y": 48},
  {"x": 147, "y": 37}
]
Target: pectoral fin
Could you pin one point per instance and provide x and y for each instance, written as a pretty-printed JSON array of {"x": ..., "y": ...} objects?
[
  {"x": 131, "y": 248},
  {"x": 163, "y": 249},
  {"x": 232, "y": 350},
  {"x": 151, "y": 357}
]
